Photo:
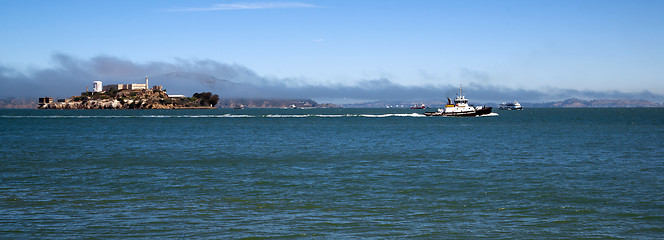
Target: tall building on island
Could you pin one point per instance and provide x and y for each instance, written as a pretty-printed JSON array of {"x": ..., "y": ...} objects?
[{"x": 96, "y": 86}]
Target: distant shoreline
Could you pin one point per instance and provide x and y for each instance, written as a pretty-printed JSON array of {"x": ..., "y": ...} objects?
[
  {"x": 31, "y": 103},
  {"x": 176, "y": 108}
]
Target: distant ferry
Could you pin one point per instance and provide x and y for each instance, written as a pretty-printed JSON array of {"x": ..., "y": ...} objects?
[
  {"x": 418, "y": 107},
  {"x": 510, "y": 106},
  {"x": 460, "y": 108}
]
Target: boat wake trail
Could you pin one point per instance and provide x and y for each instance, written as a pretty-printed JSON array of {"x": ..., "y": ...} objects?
[
  {"x": 224, "y": 116},
  {"x": 342, "y": 115},
  {"x": 489, "y": 115}
]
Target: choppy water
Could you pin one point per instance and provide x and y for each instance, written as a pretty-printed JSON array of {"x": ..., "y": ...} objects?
[{"x": 331, "y": 173}]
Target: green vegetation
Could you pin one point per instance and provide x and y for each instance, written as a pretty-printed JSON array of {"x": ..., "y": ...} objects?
[
  {"x": 206, "y": 98},
  {"x": 112, "y": 92}
]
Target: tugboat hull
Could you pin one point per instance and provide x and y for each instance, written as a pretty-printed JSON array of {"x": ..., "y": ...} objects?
[
  {"x": 474, "y": 113},
  {"x": 484, "y": 111}
]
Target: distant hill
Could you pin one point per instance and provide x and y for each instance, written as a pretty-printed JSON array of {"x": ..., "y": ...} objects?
[
  {"x": 18, "y": 103},
  {"x": 568, "y": 103},
  {"x": 271, "y": 103},
  {"x": 395, "y": 104},
  {"x": 601, "y": 103}
]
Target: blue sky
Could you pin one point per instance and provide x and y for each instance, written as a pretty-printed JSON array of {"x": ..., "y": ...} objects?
[{"x": 576, "y": 47}]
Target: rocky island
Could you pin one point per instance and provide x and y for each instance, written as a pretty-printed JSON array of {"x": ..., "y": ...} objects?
[{"x": 130, "y": 96}]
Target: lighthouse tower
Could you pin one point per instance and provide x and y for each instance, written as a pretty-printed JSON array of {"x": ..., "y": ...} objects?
[
  {"x": 146, "y": 83},
  {"x": 96, "y": 86}
]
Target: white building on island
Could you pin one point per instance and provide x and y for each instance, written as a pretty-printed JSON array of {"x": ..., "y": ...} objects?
[
  {"x": 96, "y": 86},
  {"x": 131, "y": 86}
]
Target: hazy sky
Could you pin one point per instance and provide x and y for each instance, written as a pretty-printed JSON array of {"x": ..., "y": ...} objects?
[{"x": 605, "y": 46}]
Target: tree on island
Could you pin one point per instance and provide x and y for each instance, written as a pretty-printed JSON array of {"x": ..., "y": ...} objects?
[{"x": 207, "y": 98}]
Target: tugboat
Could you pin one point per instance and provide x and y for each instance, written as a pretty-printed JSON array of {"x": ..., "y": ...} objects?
[
  {"x": 510, "y": 106},
  {"x": 460, "y": 108}
]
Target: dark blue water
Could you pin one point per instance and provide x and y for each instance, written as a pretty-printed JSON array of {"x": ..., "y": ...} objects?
[{"x": 331, "y": 173}]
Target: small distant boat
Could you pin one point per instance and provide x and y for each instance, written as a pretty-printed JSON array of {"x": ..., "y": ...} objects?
[
  {"x": 418, "y": 107},
  {"x": 510, "y": 106},
  {"x": 239, "y": 107},
  {"x": 460, "y": 108}
]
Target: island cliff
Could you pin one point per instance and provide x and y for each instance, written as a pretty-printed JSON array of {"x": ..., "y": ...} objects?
[{"x": 131, "y": 99}]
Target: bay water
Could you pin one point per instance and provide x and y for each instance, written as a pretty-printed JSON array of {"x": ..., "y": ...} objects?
[{"x": 331, "y": 173}]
